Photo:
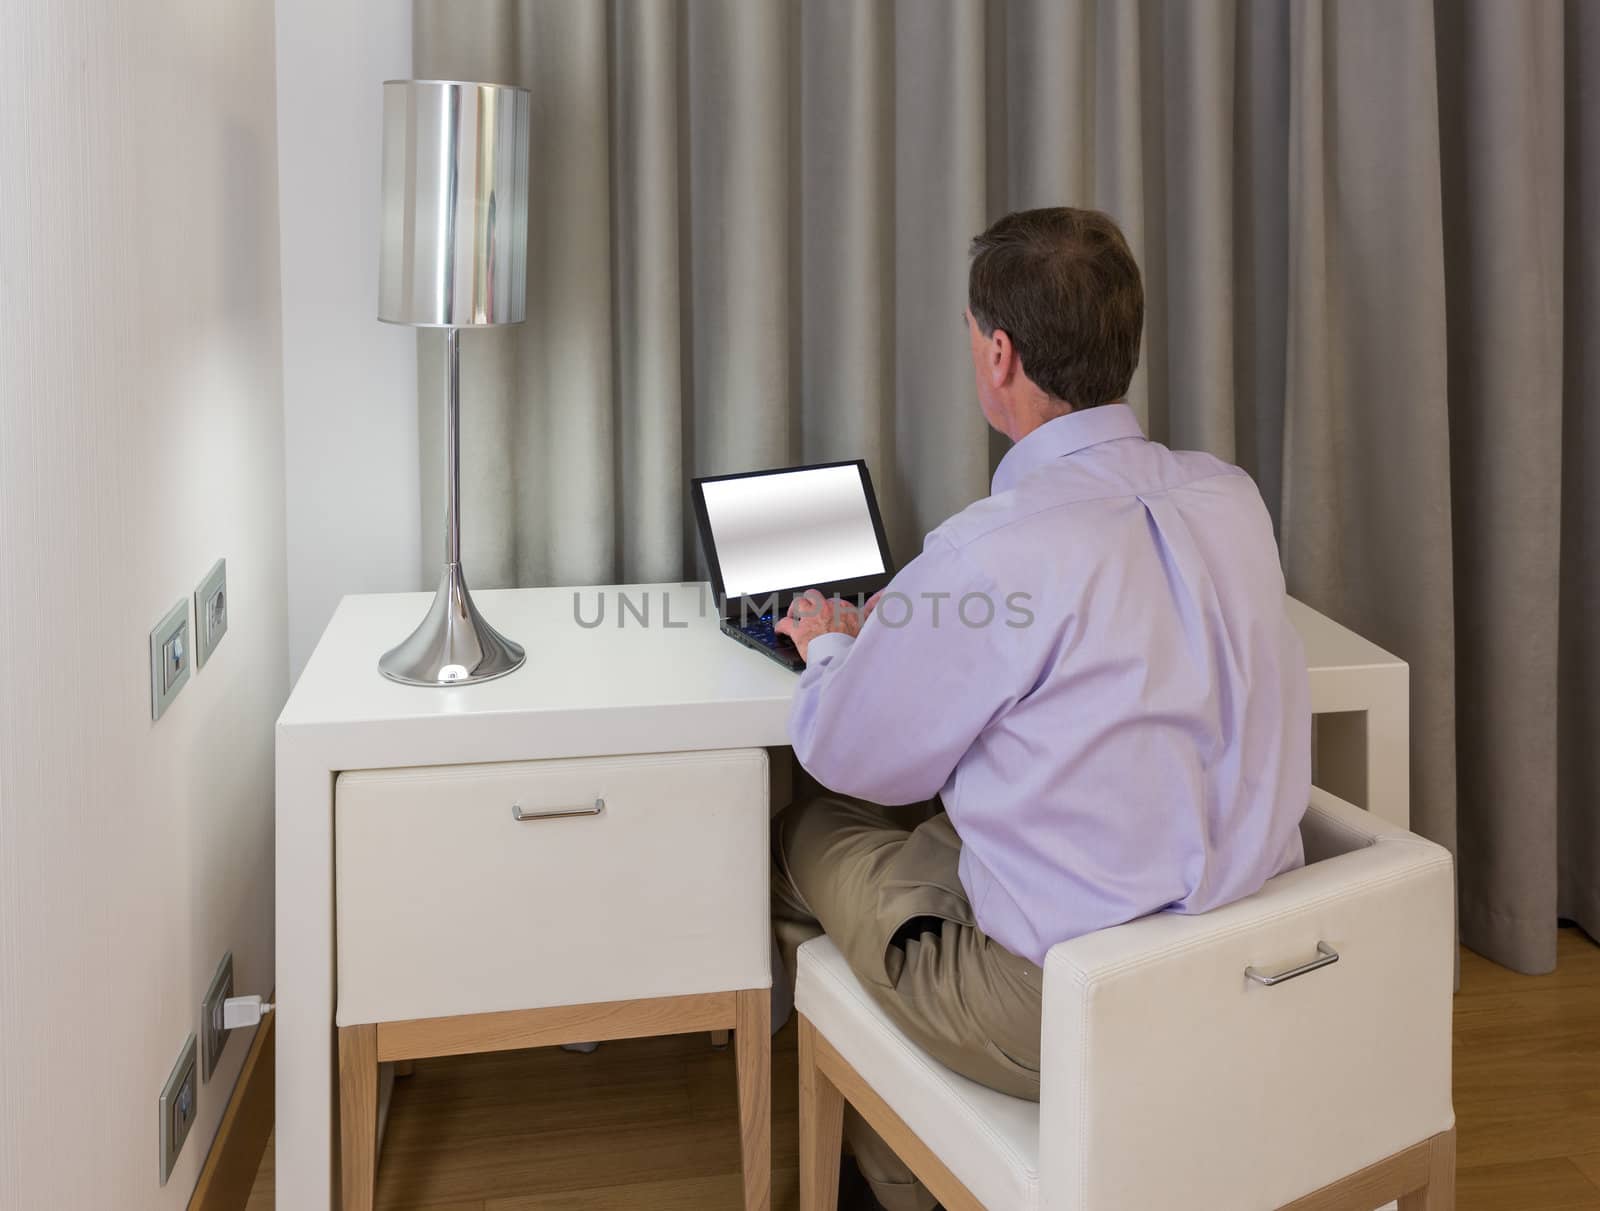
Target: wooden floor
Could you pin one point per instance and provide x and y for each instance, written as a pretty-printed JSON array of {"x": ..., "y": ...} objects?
[{"x": 652, "y": 1123}]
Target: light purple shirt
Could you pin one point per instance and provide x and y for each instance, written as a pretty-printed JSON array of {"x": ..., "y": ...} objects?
[{"x": 1131, "y": 730}]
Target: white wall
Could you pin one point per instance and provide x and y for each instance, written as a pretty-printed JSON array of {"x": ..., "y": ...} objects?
[
  {"x": 141, "y": 437},
  {"x": 349, "y": 382}
]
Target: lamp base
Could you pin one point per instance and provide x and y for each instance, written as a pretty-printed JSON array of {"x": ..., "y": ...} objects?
[{"x": 453, "y": 645}]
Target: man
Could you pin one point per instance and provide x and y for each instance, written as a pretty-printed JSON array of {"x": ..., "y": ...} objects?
[{"x": 1091, "y": 669}]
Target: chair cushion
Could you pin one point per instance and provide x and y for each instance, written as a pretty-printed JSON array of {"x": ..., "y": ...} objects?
[{"x": 987, "y": 1139}]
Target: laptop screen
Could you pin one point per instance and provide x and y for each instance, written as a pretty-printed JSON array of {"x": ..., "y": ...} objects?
[{"x": 792, "y": 529}]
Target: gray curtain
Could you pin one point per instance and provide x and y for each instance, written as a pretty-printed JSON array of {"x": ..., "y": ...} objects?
[{"x": 1367, "y": 230}]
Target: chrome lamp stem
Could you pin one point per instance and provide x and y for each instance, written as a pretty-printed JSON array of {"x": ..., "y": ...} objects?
[
  {"x": 453, "y": 645},
  {"x": 452, "y": 449}
]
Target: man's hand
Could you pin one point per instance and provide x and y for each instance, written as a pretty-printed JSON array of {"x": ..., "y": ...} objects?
[{"x": 811, "y": 614}]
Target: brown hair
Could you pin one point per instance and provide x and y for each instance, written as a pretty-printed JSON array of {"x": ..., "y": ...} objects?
[{"x": 1065, "y": 288}]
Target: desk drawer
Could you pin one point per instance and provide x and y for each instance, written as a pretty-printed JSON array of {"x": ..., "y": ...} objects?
[{"x": 448, "y": 904}]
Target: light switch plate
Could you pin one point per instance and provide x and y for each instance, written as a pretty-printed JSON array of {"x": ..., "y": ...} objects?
[
  {"x": 170, "y": 658},
  {"x": 211, "y": 612},
  {"x": 213, "y": 1037},
  {"x": 176, "y": 1107}
]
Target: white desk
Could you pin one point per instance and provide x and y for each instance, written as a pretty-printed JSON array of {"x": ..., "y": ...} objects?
[{"x": 596, "y": 692}]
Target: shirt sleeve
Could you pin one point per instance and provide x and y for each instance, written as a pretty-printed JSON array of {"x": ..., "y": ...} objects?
[{"x": 888, "y": 715}]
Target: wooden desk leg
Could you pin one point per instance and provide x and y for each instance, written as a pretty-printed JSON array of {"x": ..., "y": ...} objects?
[
  {"x": 1440, "y": 1192},
  {"x": 752, "y": 1040},
  {"x": 358, "y": 1116}
]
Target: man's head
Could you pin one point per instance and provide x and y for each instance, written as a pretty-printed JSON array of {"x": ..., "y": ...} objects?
[{"x": 1054, "y": 312}]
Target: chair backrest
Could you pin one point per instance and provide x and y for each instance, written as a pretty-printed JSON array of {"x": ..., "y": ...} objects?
[{"x": 1170, "y": 1079}]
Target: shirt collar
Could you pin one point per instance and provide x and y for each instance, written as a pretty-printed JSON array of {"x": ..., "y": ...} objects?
[{"x": 1063, "y": 436}]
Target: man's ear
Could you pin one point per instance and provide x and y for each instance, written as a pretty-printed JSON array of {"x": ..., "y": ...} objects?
[{"x": 1002, "y": 358}]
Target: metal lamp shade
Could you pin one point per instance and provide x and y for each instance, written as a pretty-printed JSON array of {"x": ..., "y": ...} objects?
[
  {"x": 455, "y": 204},
  {"x": 454, "y": 255}
]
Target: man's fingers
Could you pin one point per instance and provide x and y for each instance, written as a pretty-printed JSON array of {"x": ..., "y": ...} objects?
[
  {"x": 811, "y": 614},
  {"x": 845, "y": 616},
  {"x": 872, "y": 604},
  {"x": 809, "y": 604}
]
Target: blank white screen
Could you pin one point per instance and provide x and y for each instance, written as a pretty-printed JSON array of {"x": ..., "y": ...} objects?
[{"x": 791, "y": 530}]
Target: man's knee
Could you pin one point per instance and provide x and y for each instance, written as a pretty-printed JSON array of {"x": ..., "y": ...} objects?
[
  {"x": 829, "y": 847},
  {"x": 828, "y": 825}
]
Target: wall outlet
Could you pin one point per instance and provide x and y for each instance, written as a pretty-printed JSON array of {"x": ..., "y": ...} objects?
[
  {"x": 211, "y": 612},
  {"x": 213, "y": 1034},
  {"x": 170, "y": 658},
  {"x": 176, "y": 1108}
]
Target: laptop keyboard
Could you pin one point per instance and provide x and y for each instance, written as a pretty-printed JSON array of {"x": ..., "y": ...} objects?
[{"x": 761, "y": 631}]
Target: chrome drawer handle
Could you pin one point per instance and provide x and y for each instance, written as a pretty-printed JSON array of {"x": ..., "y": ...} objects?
[
  {"x": 1325, "y": 955},
  {"x": 556, "y": 813}
]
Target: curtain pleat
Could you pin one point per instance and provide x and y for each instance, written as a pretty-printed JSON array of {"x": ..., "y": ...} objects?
[
  {"x": 648, "y": 304},
  {"x": 1366, "y": 497},
  {"x": 1578, "y": 840},
  {"x": 1260, "y": 237},
  {"x": 739, "y": 200},
  {"x": 1364, "y": 228},
  {"x": 1502, "y": 137},
  {"x": 846, "y": 208},
  {"x": 941, "y": 445},
  {"x": 1198, "y": 406}
]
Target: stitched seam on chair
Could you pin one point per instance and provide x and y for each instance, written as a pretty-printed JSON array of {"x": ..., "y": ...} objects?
[
  {"x": 1083, "y": 1099},
  {"x": 921, "y": 1060},
  {"x": 1084, "y": 976},
  {"x": 1101, "y": 975},
  {"x": 1247, "y": 926}
]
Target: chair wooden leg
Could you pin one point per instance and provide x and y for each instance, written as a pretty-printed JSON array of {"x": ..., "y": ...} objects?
[
  {"x": 1440, "y": 1192},
  {"x": 358, "y": 1116},
  {"x": 752, "y": 1041},
  {"x": 404, "y": 1067},
  {"x": 719, "y": 1039},
  {"x": 821, "y": 1128}
]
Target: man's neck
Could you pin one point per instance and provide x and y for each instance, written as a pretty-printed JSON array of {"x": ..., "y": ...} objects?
[{"x": 1035, "y": 412}]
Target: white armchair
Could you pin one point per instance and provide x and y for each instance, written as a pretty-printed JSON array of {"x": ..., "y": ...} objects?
[{"x": 1291, "y": 1050}]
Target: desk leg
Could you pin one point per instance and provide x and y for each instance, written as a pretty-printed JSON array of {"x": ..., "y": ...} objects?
[
  {"x": 1389, "y": 754},
  {"x": 752, "y": 1040},
  {"x": 1363, "y": 754},
  {"x": 358, "y": 1116},
  {"x": 305, "y": 1139}
]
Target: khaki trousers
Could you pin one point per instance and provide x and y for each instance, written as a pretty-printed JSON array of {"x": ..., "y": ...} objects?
[{"x": 882, "y": 883}]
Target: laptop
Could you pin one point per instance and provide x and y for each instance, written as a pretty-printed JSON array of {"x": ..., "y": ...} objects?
[{"x": 768, "y": 536}]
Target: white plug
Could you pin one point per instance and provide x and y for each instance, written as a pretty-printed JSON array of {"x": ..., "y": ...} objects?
[{"x": 243, "y": 1011}]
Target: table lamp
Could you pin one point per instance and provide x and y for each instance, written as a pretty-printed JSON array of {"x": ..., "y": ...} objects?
[{"x": 454, "y": 255}]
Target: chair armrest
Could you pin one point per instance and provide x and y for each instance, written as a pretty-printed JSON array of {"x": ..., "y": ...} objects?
[{"x": 1170, "y": 1079}]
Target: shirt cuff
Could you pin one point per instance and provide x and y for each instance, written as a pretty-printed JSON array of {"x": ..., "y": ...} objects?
[{"x": 826, "y": 647}]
